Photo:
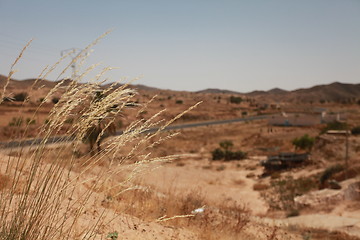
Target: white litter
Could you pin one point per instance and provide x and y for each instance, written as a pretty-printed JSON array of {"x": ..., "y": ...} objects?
[{"x": 198, "y": 210}]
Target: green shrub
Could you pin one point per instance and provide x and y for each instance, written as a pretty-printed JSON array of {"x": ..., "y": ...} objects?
[
  {"x": 113, "y": 235},
  {"x": 179, "y": 102},
  {"x": 226, "y": 145},
  {"x": 225, "y": 153},
  {"x": 238, "y": 155},
  {"x": 217, "y": 154},
  {"x": 236, "y": 100},
  {"x": 304, "y": 143}
]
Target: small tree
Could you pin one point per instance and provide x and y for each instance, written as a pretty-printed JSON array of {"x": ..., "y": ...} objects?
[
  {"x": 236, "y": 100},
  {"x": 304, "y": 143}
]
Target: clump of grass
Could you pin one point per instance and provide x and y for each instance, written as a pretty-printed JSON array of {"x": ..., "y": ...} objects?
[{"x": 49, "y": 195}]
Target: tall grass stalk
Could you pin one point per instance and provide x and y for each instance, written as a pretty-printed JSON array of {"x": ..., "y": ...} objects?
[{"x": 50, "y": 190}]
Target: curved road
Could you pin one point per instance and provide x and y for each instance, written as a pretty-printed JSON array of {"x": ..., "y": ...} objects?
[{"x": 57, "y": 139}]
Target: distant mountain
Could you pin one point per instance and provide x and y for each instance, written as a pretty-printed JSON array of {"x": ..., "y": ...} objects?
[
  {"x": 217, "y": 91},
  {"x": 277, "y": 91},
  {"x": 257, "y": 93},
  {"x": 330, "y": 92}
]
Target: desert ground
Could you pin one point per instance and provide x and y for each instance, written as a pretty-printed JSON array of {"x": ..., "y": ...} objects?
[{"x": 145, "y": 194}]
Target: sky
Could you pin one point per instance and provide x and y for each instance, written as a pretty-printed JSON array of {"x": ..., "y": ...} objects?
[{"x": 189, "y": 44}]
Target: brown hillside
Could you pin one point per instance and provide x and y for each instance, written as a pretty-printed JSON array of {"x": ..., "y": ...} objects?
[{"x": 334, "y": 92}]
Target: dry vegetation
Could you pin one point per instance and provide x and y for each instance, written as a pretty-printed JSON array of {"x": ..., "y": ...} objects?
[{"x": 162, "y": 185}]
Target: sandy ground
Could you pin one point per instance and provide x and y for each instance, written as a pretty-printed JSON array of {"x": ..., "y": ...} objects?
[{"x": 211, "y": 180}]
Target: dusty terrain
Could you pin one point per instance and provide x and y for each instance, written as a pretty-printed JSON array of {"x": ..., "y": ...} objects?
[{"x": 235, "y": 198}]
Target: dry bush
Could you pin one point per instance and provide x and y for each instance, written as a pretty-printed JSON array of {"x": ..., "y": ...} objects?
[
  {"x": 281, "y": 194},
  {"x": 189, "y": 210},
  {"x": 52, "y": 189}
]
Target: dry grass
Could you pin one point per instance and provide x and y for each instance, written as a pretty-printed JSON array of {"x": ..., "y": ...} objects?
[
  {"x": 190, "y": 210},
  {"x": 51, "y": 189}
]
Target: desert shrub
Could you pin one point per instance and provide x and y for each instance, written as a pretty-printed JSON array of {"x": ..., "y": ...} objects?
[
  {"x": 226, "y": 145},
  {"x": 16, "y": 121},
  {"x": 355, "y": 130},
  {"x": 113, "y": 235},
  {"x": 236, "y": 100},
  {"x": 304, "y": 143},
  {"x": 225, "y": 153},
  {"x": 20, "y": 97},
  {"x": 326, "y": 175},
  {"x": 55, "y": 100},
  {"x": 179, "y": 101},
  {"x": 30, "y": 121},
  {"x": 336, "y": 125},
  {"x": 217, "y": 154},
  {"x": 237, "y": 155},
  {"x": 285, "y": 190}
]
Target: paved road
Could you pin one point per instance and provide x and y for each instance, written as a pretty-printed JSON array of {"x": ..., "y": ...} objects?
[{"x": 57, "y": 139}]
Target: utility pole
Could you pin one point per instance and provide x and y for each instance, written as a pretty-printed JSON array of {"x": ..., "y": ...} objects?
[
  {"x": 74, "y": 53},
  {"x": 346, "y": 152}
]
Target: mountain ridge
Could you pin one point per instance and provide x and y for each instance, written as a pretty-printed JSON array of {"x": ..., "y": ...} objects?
[{"x": 335, "y": 91}]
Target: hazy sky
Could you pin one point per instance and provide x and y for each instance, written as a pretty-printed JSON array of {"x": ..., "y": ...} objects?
[{"x": 191, "y": 44}]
